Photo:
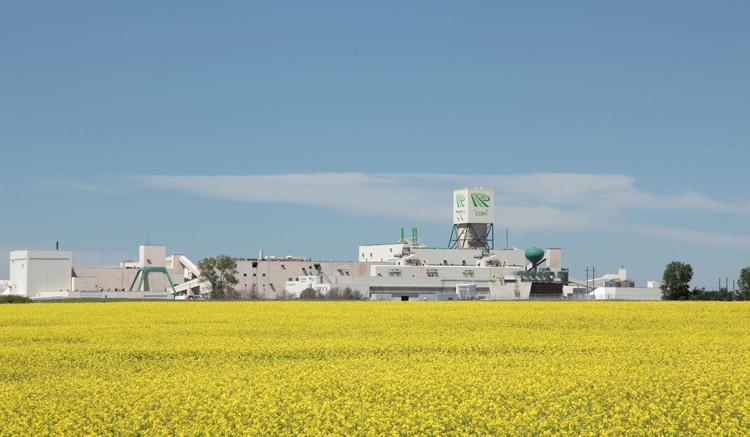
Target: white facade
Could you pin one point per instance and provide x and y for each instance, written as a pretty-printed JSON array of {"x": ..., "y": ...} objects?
[
  {"x": 120, "y": 278},
  {"x": 627, "y": 293},
  {"x": 295, "y": 287},
  {"x": 380, "y": 253},
  {"x": 156, "y": 295},
  {"x": 393, "y": 253},
  {"x": 553, "y": 255},
  {"x": 152, "y": 256},
  {"x": 416, "y": 281},
  {"x": 35, "y": 272},
  {"x": 50, "y": 274},
  {"x": 269, "y": 277}
]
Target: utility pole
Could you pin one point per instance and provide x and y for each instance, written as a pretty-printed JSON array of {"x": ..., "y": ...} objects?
[{"x": 593, "y": 277}]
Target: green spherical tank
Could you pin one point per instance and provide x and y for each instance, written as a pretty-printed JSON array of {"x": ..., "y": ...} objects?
[{"x": 534, "y": 255}]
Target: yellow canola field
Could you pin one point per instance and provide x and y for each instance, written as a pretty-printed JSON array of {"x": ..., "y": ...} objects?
[{"x": 375, "y": 368}]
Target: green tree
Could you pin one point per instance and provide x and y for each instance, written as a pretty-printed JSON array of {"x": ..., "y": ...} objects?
[
  {"x": 308, "y": 293},
  {"x": 220, "y": 272},
  {"x": 676, "y": 281},
  {"x": 744, "y": 283}
]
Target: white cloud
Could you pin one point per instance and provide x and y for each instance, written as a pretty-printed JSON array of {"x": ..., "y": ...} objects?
[
  {"x": 549, "y": 201},
  {"x": 379, "y": 195}
]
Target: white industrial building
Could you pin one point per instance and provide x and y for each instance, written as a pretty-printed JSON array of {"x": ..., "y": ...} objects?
[
  {"x": 627, "y": 293},
  {"x": 470, "y": 268},
  {"x": 440, "y": 274},
  {"x": 276, "y": 277},
  {"x": 613, "y": 286},
  {"x": 36, "y": 272},
  {"x": 51, "y": 274}
]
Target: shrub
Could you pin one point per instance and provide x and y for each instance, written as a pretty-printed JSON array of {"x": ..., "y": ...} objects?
[{"x": 14, "y": 298}]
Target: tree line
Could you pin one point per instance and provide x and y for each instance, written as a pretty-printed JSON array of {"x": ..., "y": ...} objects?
[{"x": 676, "y": 285}]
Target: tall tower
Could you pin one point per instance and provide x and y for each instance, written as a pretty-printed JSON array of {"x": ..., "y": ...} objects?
[{"x": 473, "y": 219}]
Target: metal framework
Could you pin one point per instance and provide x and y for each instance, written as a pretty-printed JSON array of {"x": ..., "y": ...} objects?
[
  {"x": 459, "y": 239},
  {"x": 142, "y": 271}
]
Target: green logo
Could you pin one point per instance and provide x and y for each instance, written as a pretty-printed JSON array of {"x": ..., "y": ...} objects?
[
  {"x": 480, "y": 200},
  {"x": 460, "y": 200}
]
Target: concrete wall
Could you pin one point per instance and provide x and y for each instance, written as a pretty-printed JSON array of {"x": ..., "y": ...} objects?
[
  {"x": 267, "y": 278},
  {"x": 91, "y": 278},
  {"x": 34, "y": 272},
  {"x": 553, "y": 255},
  {"x": 383, "y": 253},
  {"x": 105, "y": 295},
  {"x": 468, "y": 257},
  {"x": 152, "y": 256},
  {"x": 118, "y": 278},
  {"x": 627, "y": 293}
]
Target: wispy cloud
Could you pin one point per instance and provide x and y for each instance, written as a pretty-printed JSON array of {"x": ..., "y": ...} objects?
[
  {"x": 550, "y": 201},
  {"x": 358, "y": 193},
  {"x": 702, "y": 238}
]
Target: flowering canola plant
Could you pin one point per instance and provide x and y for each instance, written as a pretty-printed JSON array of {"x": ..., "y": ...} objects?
[{"x": 375, "y": 368}]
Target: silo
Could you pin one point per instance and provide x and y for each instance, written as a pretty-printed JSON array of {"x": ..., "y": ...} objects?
[{"x": 473, "y": 219}]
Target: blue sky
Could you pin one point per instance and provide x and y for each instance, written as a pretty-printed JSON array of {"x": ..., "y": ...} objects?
[{"x": 615, "y": 130}]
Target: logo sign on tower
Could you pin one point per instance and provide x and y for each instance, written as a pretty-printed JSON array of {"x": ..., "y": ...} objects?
[{"x": 473, "y": 206}]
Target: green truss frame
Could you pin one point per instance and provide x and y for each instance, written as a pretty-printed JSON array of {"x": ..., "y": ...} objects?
[{"x": 142, "y": 274}]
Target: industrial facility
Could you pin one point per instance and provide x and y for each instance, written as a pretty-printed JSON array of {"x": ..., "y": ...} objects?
[
  {"x": 52, "y": 275},
  {"x": 470, "y": 268}
]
